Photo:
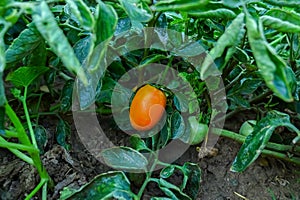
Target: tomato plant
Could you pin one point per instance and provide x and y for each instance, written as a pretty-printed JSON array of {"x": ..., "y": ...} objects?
[{"x": 217, "y": 56}]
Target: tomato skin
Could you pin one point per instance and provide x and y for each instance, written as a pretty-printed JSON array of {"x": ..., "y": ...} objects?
[{"x": 147, "y": 108}]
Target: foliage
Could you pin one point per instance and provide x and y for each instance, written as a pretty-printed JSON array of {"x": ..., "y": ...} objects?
[{"x": 251, "y": 47}]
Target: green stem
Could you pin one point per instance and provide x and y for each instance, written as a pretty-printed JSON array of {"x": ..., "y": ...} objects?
[
  {"x": 28, "y": 119},
  {"x": 236, "y": 79},
  {"x": 143, "y": 187},
  {"x": 36, "y": 189},
  {"x": 71, "y": 26},
  {"x": 11, "y": 134},
  {"x": 261, "y": 97},
  {"x": 65, "y": 76},
  {"x": 274, "y": 146},
  {"x": 148, "y": 176},
  {"x": 240, "y": 138},
  {"x": 44, "y": 191},
  {"x": 278, "y": 40},
  {"x": 23, "y": 138},
  {"x": 5, "y": 144},
  {"x": 37, "y": 108},
  {"x": 281, "y": 156},
  {"x": 22, "y": 156}
]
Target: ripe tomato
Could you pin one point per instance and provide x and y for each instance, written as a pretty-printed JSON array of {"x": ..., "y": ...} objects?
[{"x": 147, "y": 108}]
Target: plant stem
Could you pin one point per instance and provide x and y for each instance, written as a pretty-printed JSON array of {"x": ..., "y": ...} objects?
[
  {"x": 36, "y": 189},
  {"x": 148, "y": 176},
  {"x": 28, "y": 118},
  {"x": 240, "y": 138},
  {"x": 161, "y": 78},
  {"x": 21, "y": 155},
  {"x": 35, "y": 159},
  {"x": 5, "y": 144},
  {"x": 270, "y": 145},
  {"x": 260, "y": 97},
  {"x": 143, "y": 187},
  {"x": 44, "y": 191},
  {"x": 18, "y": 125},
  {"x": 281, "y": 156},
  {"x": 10, "y": 134}
]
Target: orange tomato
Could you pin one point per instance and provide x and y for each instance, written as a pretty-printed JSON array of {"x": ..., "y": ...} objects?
[{"x": 147, "y": 108}]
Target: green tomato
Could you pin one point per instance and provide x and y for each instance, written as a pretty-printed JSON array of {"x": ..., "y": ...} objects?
[
  {"x": 247, "y": 127},
  {"x": 198, "y": 131}
]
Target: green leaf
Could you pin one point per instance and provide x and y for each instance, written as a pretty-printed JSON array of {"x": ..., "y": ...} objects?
[
  {"x": 271, "y": 66},
  {"x": 247, "y": 127},
  {"x": 256, "y": 141},
  {"x": 96, "y": 63},
  {"x": 88, "y": 92},
  {"x": 216, "y": 13},
  {"x": 171, "y": 190},
  {"x": 191, "y": 183},
  {"x": 279, "y": 25},
  {"x": 137, "y": 143},
  {"x": 2, "y": 120},
  {"x": 117, "y": 70},
  {"x": 104, "y": 92},
  {"x": 167, "y": 171},
  {"x": 38, "y": 56},
  {"x": 181, "y": 102},
  {"x": 111, "y": 185},
  {"x": 123, "y": 25},
  {"x": 124, "y": 158},
  {"x": 136, "y": 10},
  {"x": 106, "y": 22},
  {"x": 292, "y": 81},
  {"x": 16, "y": 93},
  {"x": 177, "y": 125},
  {"x": 288, "y": 3},
  {"x": 236, "y": 3},
  {"x": 63, "y": 131},
  {"x": 23, "y": 76},
  {"x": 289, "y": 16},
  {"x": 246, "y": 86},
  {"x": 3, "y": 28},
  {"x": 163, "y": 183},
  {"x": 241, "y": 55},
  {"x": 152, "y": 59},
  {"x": 48, "y": 28},
  {"x": 24, "y": 45},
  {"x": 165, "y": 136},
  {"x": 67, "y": 193},
  {"x": 81, "y": 14},
  {"x": 224, "y": 48},
  {"x": 5, "y": 2},
  {"x": 188, "y": 50},
  {"x": 180, "y": 5},
  {"x": 173, "y": 194},
  {"x": 2, "y": 90},
  {"x": 41, "y": 136},
  {"x": 83, "y": 48},
  {"x": 238, "y": 101},
  {"x": 66, "y": 96}
]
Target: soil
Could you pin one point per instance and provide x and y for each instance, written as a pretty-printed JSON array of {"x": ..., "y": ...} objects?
[{"x": 267, "y": 178}]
